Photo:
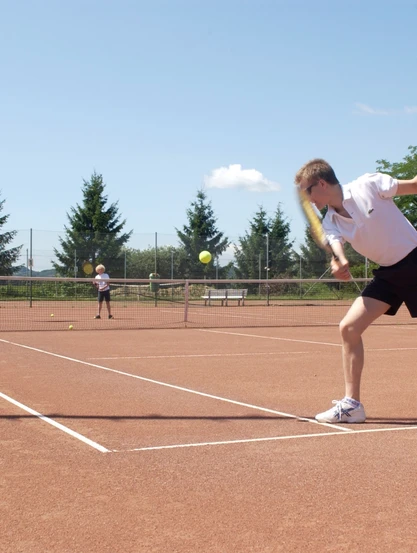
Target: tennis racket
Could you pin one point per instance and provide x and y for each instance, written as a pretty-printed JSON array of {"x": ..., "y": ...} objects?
[
  {"x": 316, "y": 228},
  {"x": 87, "y": 268},
  {"x": 314, "y": 223}
]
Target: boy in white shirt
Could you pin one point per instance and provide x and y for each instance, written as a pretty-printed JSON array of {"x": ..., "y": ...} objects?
[
  {"x": 364, "y": 214},
  {"x": 101, "y": 282}
]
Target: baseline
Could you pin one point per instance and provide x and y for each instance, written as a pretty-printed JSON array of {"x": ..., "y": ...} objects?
[
  {"x": 58, "y": 425},
  {"x": 268, "y": 439},
  {"x": 277, "y": 338}
]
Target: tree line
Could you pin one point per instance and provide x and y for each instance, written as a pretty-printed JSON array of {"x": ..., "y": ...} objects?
[{"x": 96, "y": 233}]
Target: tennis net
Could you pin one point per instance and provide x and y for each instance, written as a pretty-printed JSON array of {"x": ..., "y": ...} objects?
[{"x": 60, "y": 303}]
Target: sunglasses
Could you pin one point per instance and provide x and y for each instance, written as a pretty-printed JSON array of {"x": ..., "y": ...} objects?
[{"x": 308, "y": 189}]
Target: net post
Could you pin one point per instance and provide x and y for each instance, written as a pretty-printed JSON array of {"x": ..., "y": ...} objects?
[{"x": 186, "y": 300}]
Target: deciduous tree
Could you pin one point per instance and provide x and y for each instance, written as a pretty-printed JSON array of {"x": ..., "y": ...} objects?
[{"x": 405, "y": 169}]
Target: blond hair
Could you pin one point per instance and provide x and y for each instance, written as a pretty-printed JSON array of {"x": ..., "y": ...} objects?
[
  {"x": 100, "y": 267},
  {"x": 314, "y": 170}
]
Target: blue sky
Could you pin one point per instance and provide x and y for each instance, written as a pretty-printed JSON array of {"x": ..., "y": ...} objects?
[{"x": 163, "y": 97}]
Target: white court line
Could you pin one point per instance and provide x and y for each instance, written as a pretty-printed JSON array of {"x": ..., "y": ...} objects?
[
  {"x": 186, "y": 356},
  {"x": 173, "y": 386},
  {"x": 271, "y": 439},
  {"x": 278, "y": 338},
  {"x": 390, "y": 349},
  {"x": 191, "y": 355},
  {"x": 56, "y": 424},
  {"x": 268, "y": 337}
]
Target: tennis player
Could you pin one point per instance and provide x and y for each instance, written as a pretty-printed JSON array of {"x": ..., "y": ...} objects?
[
  {"x": 101, "y": 282},
  {"x": 364, "y": 214}
]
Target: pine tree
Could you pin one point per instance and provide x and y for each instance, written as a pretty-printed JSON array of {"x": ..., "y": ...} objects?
[
  {"x": 201, "y": 234},
  {"x": 280, "y": 256},
  {"x": 265, "y": 247},
  {"x": 94, "y": 234},
  {"x": 7, "y": 256},
  {"x": 315, "y": 262},
  {"x": 250, "y": 253}
]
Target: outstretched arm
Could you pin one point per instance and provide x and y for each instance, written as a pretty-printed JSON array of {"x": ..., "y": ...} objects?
[{"x": 406, "y": 187}]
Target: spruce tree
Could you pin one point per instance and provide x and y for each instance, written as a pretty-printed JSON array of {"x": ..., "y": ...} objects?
[
  {"x": 7, "y": 256},
  {"x": 280, "y": 256},
  {"x": 315, "y": 262},
  {"x": 250, "y": 253},
  {"x": 266, "y": 246},
  {"x": 94, "y": 234},
  {"x": 201, "y": 234}
]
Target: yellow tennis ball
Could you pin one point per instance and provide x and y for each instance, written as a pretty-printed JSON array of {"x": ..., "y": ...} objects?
[
  {"x": 52, "y": 314},
  {"x": 205, "y": 257},
  {"x": 70, "y": 327}
]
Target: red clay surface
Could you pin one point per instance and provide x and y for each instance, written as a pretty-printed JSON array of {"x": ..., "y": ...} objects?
[
  {"x": 204, "y": 441},
  {"x": 56, "y": 315}
]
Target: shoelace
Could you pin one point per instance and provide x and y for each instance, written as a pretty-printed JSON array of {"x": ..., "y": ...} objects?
[
  {"x": 339, "y": 410},
  {"x": 338, "y": 407}
]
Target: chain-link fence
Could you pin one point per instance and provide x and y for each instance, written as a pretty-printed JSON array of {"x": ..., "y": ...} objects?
[{"x": 162, "y": 257}]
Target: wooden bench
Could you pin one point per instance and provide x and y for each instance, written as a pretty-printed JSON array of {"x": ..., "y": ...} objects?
[{"x": 225, "y": 295}]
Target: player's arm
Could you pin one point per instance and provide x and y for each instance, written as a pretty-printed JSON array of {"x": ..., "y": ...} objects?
[
  {"x": 406, "y": 187},
  {"x": 340, "y": 266}
]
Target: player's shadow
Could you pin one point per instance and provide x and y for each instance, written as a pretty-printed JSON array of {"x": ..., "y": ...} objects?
[
  {"x": 152, "y": 416},
  {"x": 376, "y": 420},
  {"x": 391, "y": 420},
  {"x": 217, "y": 418}
]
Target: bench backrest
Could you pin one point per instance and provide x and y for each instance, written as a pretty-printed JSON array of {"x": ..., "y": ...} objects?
[{"x": 227, "y": 292}]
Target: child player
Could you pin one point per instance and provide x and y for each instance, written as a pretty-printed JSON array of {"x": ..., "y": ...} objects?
[{"x": 101, "y": 282}]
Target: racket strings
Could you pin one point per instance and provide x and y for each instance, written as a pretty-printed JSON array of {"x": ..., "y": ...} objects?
[{"x": 316, "y": 229}]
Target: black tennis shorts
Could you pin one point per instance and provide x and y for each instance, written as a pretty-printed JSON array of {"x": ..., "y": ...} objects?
[
  {"x": 104, "y": 296},
  {"x": 395, "y": 285}
]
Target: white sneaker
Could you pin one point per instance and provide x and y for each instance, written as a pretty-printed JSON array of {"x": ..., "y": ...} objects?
[{"x": 343, "y": 411}]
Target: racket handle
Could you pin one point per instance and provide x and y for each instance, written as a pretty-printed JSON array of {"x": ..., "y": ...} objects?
[{"x": 335, "y": 257}]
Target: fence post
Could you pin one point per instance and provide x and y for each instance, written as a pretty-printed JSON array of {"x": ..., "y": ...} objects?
[
  {"x": 31, "y": 266},
  {"x": 186, "y": 299}
]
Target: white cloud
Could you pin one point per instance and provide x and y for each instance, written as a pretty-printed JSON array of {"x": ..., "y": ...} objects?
[
  {"x": 364, "y": 108},
  {"x": 236, "y": 177}
]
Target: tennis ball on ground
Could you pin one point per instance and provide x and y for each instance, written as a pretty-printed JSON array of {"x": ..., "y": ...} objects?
[
  {"x": 205, "y": 257},
  {"x": 70, "y": 327},
  {"x": 52, "y": 314}
]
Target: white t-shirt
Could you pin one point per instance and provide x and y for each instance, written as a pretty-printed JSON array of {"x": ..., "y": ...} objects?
[
  {"x": 103, "y": 282},
  {"x": 378, "y": 230}
]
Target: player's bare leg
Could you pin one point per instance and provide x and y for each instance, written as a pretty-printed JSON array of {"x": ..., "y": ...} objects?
[
  {"x": 361, "y": 314},
  {"x": 99, "y": 306}
]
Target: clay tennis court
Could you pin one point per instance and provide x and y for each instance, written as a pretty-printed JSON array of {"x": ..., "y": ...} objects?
[{"x": 204, "y": 440}]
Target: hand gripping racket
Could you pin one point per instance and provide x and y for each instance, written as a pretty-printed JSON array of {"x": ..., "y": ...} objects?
[{"x": 316, "y": 228}]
